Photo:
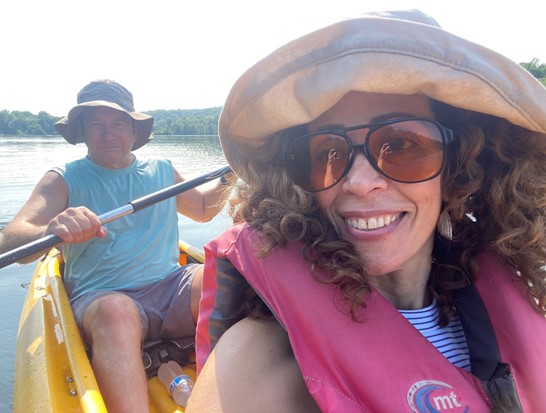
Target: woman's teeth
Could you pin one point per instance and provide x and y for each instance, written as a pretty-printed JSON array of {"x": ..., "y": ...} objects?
[{"x": 372, "y": 223}]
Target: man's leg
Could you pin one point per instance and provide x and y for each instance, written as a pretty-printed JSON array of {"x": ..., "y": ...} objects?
[
  {"x": 195, "y": 294},
  {"x": 112, "y": 329},
  {"x": 178, "y": 297}
]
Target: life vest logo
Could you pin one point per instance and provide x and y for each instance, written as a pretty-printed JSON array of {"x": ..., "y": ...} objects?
[{"x": 430, "y": 396}]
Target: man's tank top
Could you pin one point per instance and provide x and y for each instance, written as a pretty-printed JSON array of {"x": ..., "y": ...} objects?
[{"x": 140, "y": 248}]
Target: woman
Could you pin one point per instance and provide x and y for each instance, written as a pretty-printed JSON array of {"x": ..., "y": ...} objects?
[{"x": 392, "y": 244}]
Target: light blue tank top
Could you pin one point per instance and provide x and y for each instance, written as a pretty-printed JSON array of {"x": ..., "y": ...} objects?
[{"x": 140, "y": 248}]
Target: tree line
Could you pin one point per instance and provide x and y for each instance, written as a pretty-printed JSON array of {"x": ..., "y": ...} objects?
[
  {"x": 167, "y": 122},
  {"x": 186, "y": 121}
]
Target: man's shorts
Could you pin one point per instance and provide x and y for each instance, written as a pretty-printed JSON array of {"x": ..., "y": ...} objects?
[{"x": 164, "y": 307}]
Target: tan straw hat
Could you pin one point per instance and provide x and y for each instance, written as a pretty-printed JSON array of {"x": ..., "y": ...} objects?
[
  {"x": 109, "y": 94},
  {"x": 402, "y": 52}
]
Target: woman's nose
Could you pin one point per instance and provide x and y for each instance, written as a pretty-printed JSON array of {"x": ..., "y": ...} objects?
[{"x": 362, "y": 177}]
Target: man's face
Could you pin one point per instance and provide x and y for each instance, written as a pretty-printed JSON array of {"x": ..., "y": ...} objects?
[{"x": 109, "y": 135}]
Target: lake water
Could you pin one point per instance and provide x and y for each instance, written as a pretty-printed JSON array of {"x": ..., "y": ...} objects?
[{"x": 23, "y": 160}]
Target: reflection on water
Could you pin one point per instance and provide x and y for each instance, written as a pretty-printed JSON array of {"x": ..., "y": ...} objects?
[{"x": 23, "y": 161}]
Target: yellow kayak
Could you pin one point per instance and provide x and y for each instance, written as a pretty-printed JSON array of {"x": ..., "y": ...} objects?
[{"x": 52, "y": 371}]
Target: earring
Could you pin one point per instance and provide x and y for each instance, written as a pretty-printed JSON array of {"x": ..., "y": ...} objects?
[{"x": 444, "y": 227}]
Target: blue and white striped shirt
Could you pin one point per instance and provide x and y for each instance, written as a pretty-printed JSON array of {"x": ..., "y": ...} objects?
[{"x": 449, "y": 340}]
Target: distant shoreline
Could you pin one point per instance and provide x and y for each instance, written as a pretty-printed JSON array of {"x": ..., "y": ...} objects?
[{"x": 183, "y": 122}]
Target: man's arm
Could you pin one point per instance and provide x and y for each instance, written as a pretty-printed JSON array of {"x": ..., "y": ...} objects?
[
  {"x": 45, "y": 213},
  {"x": 203, "y": 203}
]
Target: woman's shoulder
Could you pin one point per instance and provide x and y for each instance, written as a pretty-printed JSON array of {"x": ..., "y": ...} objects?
[
  {"x": 253, "y": 346},
  {"x": 252, "y": 368},
  {"x": 259, "y": 337}
]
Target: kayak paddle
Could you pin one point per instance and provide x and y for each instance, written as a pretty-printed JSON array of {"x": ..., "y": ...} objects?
[{"x": 50, "y": 241}]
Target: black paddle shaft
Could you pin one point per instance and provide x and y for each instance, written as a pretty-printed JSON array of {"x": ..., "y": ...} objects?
[{"x": 50, "y": 241}]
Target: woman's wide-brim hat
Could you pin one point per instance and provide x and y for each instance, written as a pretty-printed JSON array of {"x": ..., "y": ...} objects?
[
  {"x": 402, "y": 52},
  {"x": 110, "y": 94}
]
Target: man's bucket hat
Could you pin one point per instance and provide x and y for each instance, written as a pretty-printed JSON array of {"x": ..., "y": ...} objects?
[
  {"x": 106, "y": 93},
  {"x": 401, "y": 52}
]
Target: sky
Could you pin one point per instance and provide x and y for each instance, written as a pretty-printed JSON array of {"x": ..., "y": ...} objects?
[{"x": 186, "y": 54}]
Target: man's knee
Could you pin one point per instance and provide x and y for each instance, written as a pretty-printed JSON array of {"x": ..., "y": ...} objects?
[{"x": 112, "y": 314}]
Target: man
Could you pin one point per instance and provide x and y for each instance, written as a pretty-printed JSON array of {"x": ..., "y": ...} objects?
[{"x": 123, "y": 279}]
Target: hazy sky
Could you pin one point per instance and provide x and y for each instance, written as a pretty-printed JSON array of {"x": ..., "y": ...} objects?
[{"x": 182, "y": 54}]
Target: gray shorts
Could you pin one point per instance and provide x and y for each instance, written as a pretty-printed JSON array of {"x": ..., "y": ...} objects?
[{"x": 164, "y": 307}]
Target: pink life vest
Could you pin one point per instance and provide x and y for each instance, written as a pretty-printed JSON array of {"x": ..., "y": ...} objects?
[{"x": 382, "y": 364}]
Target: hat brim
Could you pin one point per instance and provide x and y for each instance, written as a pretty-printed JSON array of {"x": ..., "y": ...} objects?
[
  {"x": 303, "y": 79},
  {"x": 70, "y": 126}
]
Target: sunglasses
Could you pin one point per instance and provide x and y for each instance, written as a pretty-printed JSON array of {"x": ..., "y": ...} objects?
[{"x": 408, "y": 150}]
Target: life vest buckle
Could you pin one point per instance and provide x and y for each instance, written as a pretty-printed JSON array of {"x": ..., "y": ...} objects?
[{"x": 502, "y": 392}]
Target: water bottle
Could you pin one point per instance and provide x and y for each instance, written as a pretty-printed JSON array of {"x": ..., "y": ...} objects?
[{"x": 178, "y": 384}]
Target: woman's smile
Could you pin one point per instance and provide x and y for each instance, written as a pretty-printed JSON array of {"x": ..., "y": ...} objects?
[{"x": 372, "y": 223}]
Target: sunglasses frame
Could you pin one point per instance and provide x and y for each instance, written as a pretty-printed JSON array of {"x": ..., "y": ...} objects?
[{"x": 446, "y": 134}]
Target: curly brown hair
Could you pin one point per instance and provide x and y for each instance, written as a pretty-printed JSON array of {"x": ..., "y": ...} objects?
[{"x": 495, "y": 181}]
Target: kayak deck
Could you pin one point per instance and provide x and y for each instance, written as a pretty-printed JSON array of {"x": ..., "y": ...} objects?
[{"x": 52, "y": 370}]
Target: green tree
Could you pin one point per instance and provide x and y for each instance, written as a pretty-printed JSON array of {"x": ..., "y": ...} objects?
[
  {"x": 26, "y": 123},
  {"x": 186, "y": 121},
  {"x": 537, "y": 69},
  {"x": 4, "y": 119},
  {"x": 47, "y": 123}
]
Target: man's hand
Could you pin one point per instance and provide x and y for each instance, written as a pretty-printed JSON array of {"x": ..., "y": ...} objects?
[{"x": 76, "y": 225}]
